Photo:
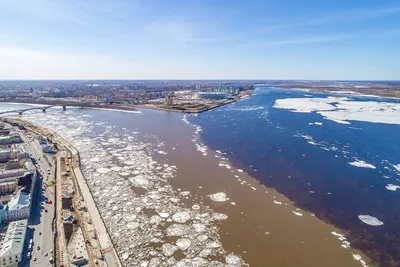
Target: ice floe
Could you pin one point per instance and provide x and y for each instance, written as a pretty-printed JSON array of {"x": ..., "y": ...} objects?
[
  {"x": 392, "y": 187},
  {"x": 103, "y": 170},
  {"x": 298, "y": 213},
  {"x": 146, "y": 217},
  {"x": 362, "y": 164},
  {"x": 181, "y": 217},
  {"x": 219, "y": 197},
  {"x": 397, "y": 167},
  {"x": 370, "y": 220},
  {"x": 342, "y": 109},
  {"x": 342, "y": 238}
]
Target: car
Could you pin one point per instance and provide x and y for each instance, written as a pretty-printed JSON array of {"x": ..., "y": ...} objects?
[
  {"x": 40, "y": 233},
  {"x": 45, "y": 210},
  {"x": 51, "y": 250},
  {"x": 45, "y": 254},
  {"x": 38, "y": 247},
  {"x": 34, "y": 258}
]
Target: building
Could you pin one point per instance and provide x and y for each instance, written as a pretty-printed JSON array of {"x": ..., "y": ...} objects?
[
  {"x": 5, "y": 155},
  {"x": 8, "y": 187},
  {"x": 20, "y": 151},
  {"x": 47, "y": 149},
  {"x": 10, "y": 139},
  {"x": 17, "y": 152},
  {"x": 13, "y": 243},
  {"x": 213, "y": 95},
  {"x": 12, "y": 173},
  {"x": 19, "y": 207}
]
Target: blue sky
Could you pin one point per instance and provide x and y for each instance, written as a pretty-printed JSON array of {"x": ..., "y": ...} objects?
[{"x": 200, "y": 39}]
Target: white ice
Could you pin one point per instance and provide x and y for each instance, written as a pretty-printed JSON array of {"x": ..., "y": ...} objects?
[
  {"x": 392, "y": 187},
  {"x": 370, "y": 220},
  {"x": 345, "y": 109},
  {"x": 218, "y": 197},
  {"x": 362, "y": 164}
]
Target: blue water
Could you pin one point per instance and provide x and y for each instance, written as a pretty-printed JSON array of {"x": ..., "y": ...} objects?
[{"x": 269, "y": 144}]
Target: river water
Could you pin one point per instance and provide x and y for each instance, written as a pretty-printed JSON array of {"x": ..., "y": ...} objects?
[{"x": 169, "y": 200}]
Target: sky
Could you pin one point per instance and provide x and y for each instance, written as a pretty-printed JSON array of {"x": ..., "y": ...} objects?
[{"x": 200, "y": 39}]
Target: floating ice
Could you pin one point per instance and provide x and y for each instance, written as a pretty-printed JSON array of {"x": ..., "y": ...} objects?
[
  {"x": 298, "y": 213},
  {"x": 362, "y": 164},
  {"x": 370, "y": 220},
  {"x": 181, "y": 217},
  {"x": 342, "y": 238},
  {"x": 162, "y": 152},
  {"x": 218, "y": 197},
  {"x": 358, "y": 257},
  {"x": 139, "y": 181},
  {"x": 140, "y": 221},
  {"x": 240, "y": 170},
  {"x": 163, "y": 214},
  {"x": 178, "y": 230},
  {"x": 169, "y": 249},
  {"x": 392, "y": 187},
  {"x": 397, "y": 167},
  {"x": 103, "y": 170},
  {"x": 199, "y": 227},
  {"x": 116, "y": 168},
  {"x": 344, "y": 109},
  {"x": 233, "y": 261},
  {"x": 219, "y": 216},
  {"x": 183, "y": 243},
  {"x": 277, "y": 202},
  {"x": 184, "y": 193}
]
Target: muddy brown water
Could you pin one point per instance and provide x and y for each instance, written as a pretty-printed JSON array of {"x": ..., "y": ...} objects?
[{"x": 261, "y": 232}]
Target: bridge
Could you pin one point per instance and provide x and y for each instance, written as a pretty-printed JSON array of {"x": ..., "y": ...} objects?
[{"x": 20, "y": 111}]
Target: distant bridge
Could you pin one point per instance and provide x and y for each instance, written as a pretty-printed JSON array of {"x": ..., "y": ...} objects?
[{"x": 20, "y": 111}]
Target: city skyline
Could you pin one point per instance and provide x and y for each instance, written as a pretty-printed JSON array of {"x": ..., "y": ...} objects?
[{"x": 333, "y": 40}]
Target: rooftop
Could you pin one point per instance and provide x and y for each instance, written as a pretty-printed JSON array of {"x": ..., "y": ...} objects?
[
  {"x": 13, "y": 241},
  {"x": 20, "y": 201}
]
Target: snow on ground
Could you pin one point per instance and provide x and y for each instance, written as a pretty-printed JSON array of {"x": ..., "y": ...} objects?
[
  {"x": 342, "y": 109},
  {"x": 145, "y": 216},
  {"x": 362, "y": 164},
  {"x": 370, "y": 220}
]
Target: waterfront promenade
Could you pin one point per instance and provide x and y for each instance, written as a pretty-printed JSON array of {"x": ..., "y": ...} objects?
[{"x": 109, "y": 254}]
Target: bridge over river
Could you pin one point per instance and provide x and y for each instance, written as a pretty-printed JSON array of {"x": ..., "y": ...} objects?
[{"x": 20, "y": 111}]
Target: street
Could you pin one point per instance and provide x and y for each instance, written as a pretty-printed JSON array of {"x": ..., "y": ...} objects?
[{"x": 42, "y": 213}]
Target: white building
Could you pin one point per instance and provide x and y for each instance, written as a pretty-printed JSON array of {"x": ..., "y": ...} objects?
[
  {"x": 19, "y": 207},
  {"x": 13, "y": 243}
]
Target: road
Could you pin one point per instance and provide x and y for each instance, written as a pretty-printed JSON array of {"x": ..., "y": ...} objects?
[{"x": 43, "y": 236}]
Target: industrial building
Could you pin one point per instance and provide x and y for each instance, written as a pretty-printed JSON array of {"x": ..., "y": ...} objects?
[{"x": 12, "y": 245}]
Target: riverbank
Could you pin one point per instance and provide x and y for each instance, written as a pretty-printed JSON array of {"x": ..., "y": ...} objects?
[
  {"x": 108, "y": 256},
  {"x": 165, "y": 197}
]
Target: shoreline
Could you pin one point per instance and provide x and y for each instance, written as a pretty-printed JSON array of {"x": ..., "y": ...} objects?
[
  {"x": 126, "y": 109},
  {"x": 271, "y": 227},
  {"x": 103, "y": 236}
]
